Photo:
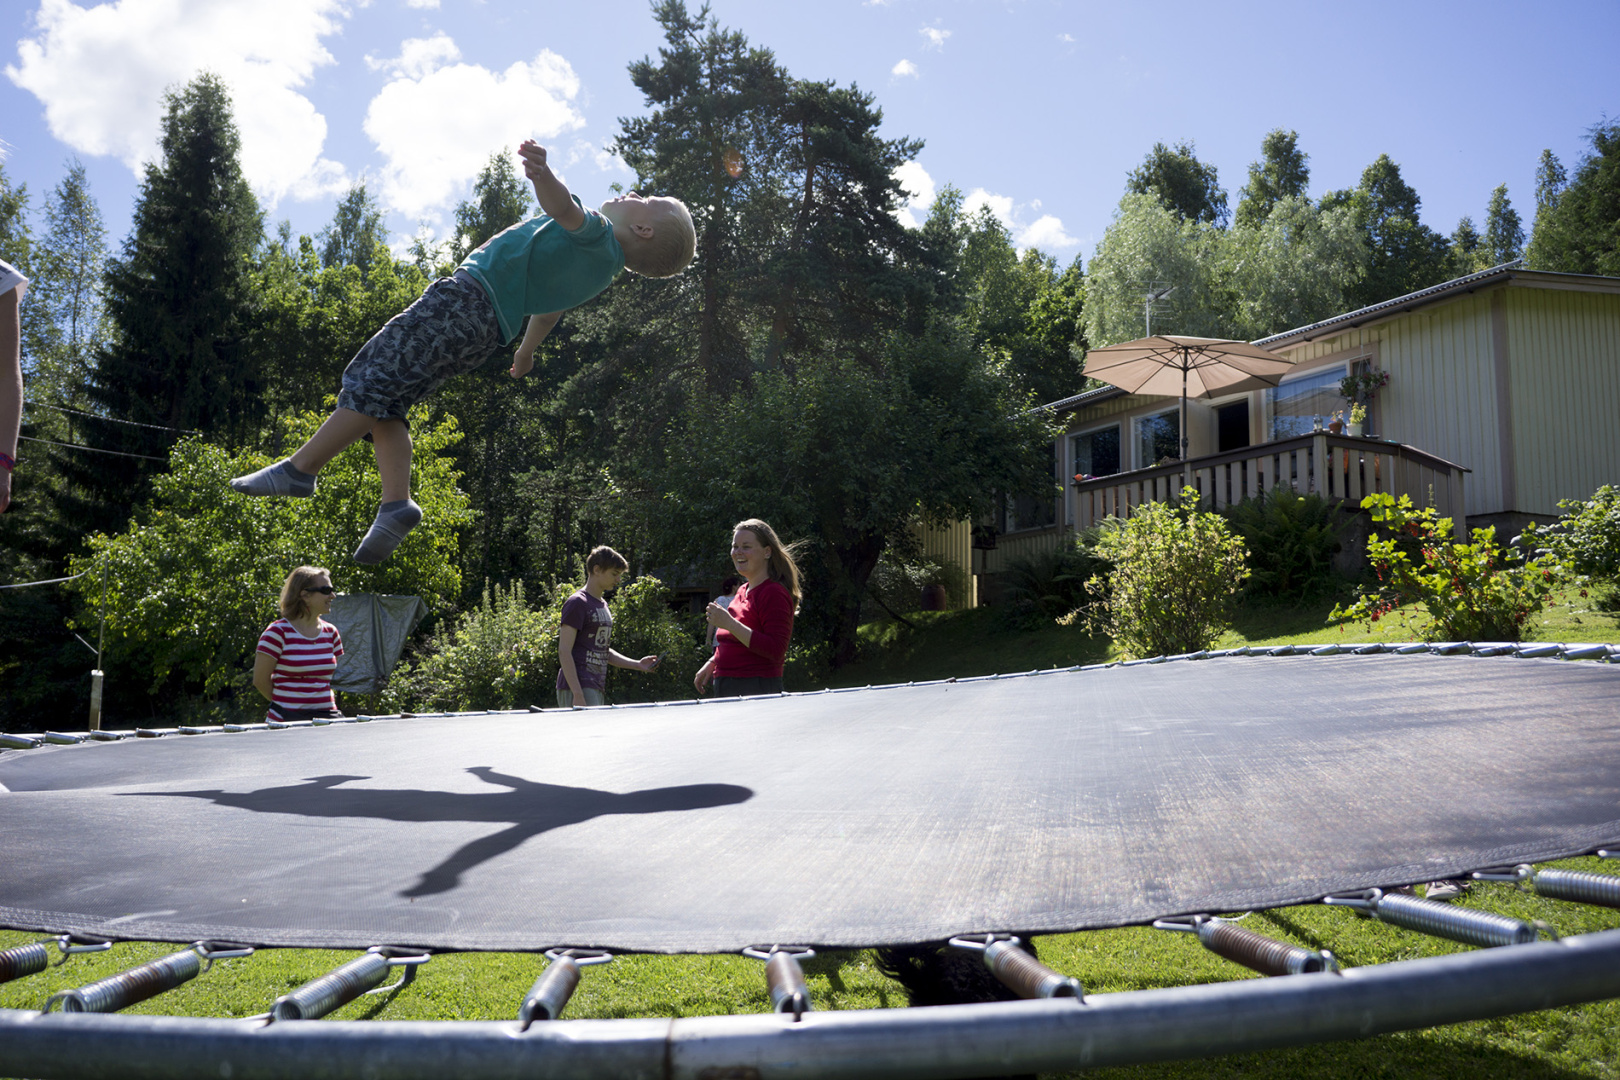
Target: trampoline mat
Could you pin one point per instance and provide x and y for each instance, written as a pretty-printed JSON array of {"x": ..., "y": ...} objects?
[{"x": 1046, "y": 803}]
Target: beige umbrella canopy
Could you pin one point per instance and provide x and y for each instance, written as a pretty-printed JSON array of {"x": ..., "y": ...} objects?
[{"x": 1190, "y": 366}]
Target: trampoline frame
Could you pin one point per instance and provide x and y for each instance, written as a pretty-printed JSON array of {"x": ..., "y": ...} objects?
[
  {"x": 944, "y": 1041},
  {"x": 1045, "y": 1034}
]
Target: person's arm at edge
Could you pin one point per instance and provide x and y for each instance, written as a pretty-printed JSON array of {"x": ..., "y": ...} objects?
[
  {"x": 565, "y": 657},
  {"x": 704, "y": 676},
  {"x": 11, "y": 388},
  {"x": 533, "y": 334},
  {"x": 553, "y": 194}
]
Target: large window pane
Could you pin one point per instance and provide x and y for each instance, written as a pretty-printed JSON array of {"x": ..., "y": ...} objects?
[
  {"x": 1158, "y": 438},
  {"x": 1096, "y": 453},
  {"x": 1292, "y": 408}
]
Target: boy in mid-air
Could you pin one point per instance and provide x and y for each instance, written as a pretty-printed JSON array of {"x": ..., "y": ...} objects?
[
  {"x": 585, "y": 639},
  {"x": 539, "y": 268}
]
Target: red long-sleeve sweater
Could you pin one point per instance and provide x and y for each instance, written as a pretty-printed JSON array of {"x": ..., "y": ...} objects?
[{"x": 768, "y": 612}]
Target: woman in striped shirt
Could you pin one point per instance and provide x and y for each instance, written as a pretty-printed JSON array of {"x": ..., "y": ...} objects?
[{"x": 298, "y": 652}]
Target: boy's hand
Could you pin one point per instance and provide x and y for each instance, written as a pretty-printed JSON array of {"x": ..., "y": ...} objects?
[
  {"x": 648, "y": 663},
  {"x": 534, "y": 159}
]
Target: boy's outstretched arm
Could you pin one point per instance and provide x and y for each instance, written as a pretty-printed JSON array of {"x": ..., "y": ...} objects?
[
  {"x": 552, "y": 192},
  {"x": 539, "y": 326}
]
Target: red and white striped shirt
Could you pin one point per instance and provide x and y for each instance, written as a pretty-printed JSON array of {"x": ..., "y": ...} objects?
[{"x": 302, "y": 678}]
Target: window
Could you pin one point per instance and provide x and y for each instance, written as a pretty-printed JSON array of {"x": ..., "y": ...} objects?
[
  {"x": 1158, "y": 437},
  {"x": 1096, "y": 453},
  {"x": 1036, "y": 511},
  {"x": 1292, "y": 408},
  {"x": 1232, "y": 426}
]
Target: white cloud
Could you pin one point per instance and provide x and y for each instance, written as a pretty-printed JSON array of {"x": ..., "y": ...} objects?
[
  {"x": 934, "y": 37},
  {"x": 418, "y": 57},
  {"x": 425, "y": 5},
  {"x": 1045, "y": 232},
  {"x": 438, "y": 126},
  {"x": 1067, "y": 39},
  {"x": 904, "y": 67},
  {"x": 1000, "y": 205},
  {"x": 920, "y": 187},
  {"x": 100, "y": 73}
]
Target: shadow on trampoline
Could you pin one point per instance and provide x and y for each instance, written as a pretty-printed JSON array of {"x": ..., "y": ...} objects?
[{"x": 528, "y": 807}]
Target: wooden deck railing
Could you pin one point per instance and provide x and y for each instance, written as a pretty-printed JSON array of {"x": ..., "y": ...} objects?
[{"x": 1337, "y": 467}]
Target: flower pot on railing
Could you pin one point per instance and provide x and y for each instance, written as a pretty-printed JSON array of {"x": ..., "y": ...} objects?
[{"x": 1355, "y": 429}]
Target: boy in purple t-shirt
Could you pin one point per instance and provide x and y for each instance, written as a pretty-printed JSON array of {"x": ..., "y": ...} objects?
[{"x": 584, "y": 642}]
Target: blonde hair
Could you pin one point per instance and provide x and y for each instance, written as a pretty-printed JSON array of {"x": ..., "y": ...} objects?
[
  {"x": 293, "y": 603},
  {"x": 670, "y": 248},
  {"x": 781, "y": 567}
]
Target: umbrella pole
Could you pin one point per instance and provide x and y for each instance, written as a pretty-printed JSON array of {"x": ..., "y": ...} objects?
[{"x": 1186, "y": 473}]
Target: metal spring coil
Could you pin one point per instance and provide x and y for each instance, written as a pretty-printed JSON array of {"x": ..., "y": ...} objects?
[
  {"x": 331, "y": 991},
  {"x": 1458, "y": 924},
  {"x": 1581, "y": 887},
  {"x": 1256, "y": 951},
  {"x": 128, "y": 987},
  {"x": 23, "y": 960},
  {"x": 1027, "y": 976},
  {"x": 784, "y": 978}
]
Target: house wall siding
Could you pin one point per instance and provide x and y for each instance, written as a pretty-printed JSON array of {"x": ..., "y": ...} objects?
[
  {"x": 1564, "y": 371},
  {"x": 1441, "y": 396}
]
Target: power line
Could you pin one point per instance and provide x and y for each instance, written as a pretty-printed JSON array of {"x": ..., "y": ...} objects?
[
  {"x": 110, "y": 419},
  {"x": 51, "y": 581},
  {"x": 91, "y": 449}
]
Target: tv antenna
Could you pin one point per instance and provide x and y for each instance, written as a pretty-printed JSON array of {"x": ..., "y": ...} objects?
[{"x": 1156, "y": 292}]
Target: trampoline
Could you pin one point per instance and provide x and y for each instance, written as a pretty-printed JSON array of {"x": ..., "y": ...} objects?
[{"x": 1051, "y": 802}]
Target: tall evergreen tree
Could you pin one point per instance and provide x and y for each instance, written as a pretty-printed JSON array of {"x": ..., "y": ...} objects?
[
  {"x": 1579, "y": 232},
  {"x": 67, "y": 293},
  {"x": 1550, "y": 181},
  {"x": 179, "y": 302},
  {"x": 501, "y": 198},
  {"x": 1185, "y": 185},
  {"x": 1468, "y": 251},
  {"x": 1407, "y": 255},
  {"x": 1504, "y": 232},
  {"x": 356, "y": 232},
  {"x": 1282, "y": 171}
]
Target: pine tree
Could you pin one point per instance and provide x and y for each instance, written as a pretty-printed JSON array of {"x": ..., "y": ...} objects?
[
  {"x": 1578, "y": 230},
  {"x": 1504, "y": 232},
  {"x": 1184, "y": 184},
  {"x": 1281, "y": 171},
  {"x": 501, "y": 198},
  {"x": 179, "y": 302},
  {"x": 1407, "y": 255}
]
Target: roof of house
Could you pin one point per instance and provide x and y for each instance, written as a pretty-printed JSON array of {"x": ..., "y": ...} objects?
[
  {"x": 1388, "y": 309},
  {"x": 1470, "y": 283}
]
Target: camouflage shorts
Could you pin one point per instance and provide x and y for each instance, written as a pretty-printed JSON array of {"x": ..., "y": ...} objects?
[{"x": 451, "y": 328}]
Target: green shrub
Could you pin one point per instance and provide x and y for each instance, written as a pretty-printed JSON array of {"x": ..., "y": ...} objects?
[
  {"x": 503, "y": 654},
  {"x": 1051, "y": 584},
  {"x": 1470, "y": 592},
  {"x": 1175, "y": 573},
  {"x": 1585, "y": 538},
  {"x": 1291, "y": 539}
]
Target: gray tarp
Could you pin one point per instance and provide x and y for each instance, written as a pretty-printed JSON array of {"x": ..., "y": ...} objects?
[
  {"x": 374, "y": 630},
  {"x": 1055, "y": 802}
]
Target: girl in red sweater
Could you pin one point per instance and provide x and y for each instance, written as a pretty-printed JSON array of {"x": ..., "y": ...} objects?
[{"x": 751, "y": 636}]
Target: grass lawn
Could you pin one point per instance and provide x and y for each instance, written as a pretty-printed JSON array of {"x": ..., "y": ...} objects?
[{"x": 1565, "y": 1043}]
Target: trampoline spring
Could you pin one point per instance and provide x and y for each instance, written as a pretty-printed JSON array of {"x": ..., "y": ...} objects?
[
  {"x": 549, "y": 995},
  {"x": 784, "y": 978},
  {"x": 129, "y": 987},
  {"x": 342, "y": 985},
  {"x": 1440, "y": 920},
  {"x": 1255, "y": 951},
  {"x": 1578, "y": 886},
  {"x": 23, "y": 960},
  {"x": 1018, "y": 971}
]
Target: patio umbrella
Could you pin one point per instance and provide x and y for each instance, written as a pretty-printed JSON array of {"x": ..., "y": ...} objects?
[{"x": 1168, "y": 364}]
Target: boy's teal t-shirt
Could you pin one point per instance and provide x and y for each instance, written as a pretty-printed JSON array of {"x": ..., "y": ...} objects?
[{"x": 537, "y": 267}]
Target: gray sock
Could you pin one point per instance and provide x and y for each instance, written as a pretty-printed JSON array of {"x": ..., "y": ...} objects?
[
  {"x": 278, "y": 479},
  {"x": 394, "y": 521}
]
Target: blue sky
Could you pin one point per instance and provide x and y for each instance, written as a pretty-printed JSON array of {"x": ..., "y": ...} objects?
[{"x": 1037, "y": 108}]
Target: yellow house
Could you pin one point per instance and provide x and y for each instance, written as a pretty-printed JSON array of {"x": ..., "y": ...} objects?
[{"x": 1503, "y": 397}]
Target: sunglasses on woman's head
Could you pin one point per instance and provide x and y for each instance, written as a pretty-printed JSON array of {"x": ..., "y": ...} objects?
[{"x": 325, "y": 590}]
